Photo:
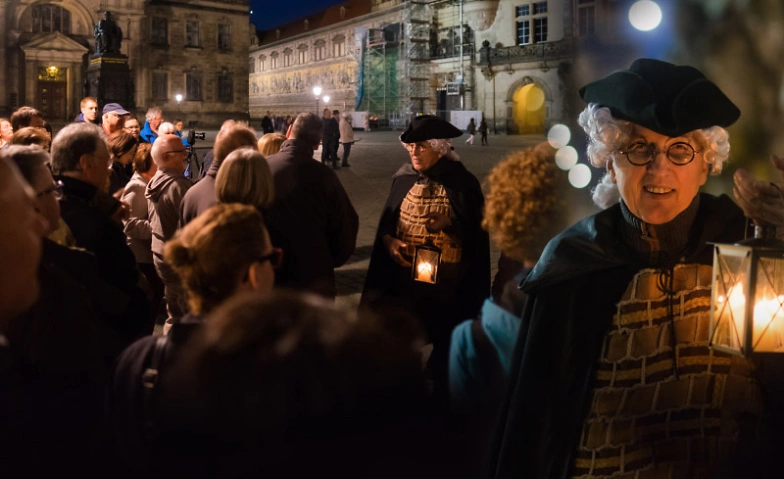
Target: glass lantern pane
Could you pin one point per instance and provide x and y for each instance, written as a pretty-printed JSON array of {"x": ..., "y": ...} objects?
[
  {"x": 729, "y": 298},
  {"x": 768, "y": 306}
]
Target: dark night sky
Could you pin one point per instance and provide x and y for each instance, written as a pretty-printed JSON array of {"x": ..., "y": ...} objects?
[{"x": 269, "y": 14}]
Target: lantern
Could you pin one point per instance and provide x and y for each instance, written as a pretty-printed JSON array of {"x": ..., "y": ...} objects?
[
  {"x": 424, "y": 268},
  {"x": 747, "y": 303}
]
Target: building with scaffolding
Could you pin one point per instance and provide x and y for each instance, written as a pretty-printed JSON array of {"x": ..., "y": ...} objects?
[{"x": 508, "y": 61}]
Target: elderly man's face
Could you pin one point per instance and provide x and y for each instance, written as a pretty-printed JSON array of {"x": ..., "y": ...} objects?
[
  {"x": 156, "y": 122},
  {"x": 96, "y": 171},
  {"x": 90, "y": 111},
  {"x": 661, "y": 190},
  {"x": 21, "y": 229},
  {"x": 170, "y": 154},
  {"x": 113, "y": 122},
  {"x": 423, "y": 156}
]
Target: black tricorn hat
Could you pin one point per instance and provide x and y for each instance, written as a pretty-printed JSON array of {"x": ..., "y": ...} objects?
[
  {"x": 666, "y": 98},
  {"x": 429, "y": 127}
]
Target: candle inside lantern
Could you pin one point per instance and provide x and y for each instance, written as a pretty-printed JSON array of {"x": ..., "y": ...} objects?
[
  {"x": 768, "y": 319},
  {"x": 425, "y": 272}
]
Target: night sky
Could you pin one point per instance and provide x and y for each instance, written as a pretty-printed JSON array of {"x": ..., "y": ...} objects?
[{"x": 268, "y": 14}]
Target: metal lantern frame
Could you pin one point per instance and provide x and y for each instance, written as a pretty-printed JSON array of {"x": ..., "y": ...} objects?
[{"x": 426, "y": 253}]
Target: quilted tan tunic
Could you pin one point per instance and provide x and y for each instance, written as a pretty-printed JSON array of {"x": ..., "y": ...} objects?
[{"x": 644, "y": 422}]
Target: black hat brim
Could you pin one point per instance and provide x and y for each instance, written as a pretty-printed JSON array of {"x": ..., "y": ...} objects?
[{"x": 429, "y": 127}]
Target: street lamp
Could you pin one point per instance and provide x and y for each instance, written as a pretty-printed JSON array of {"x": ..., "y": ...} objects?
[
  {"x": 326, "y": 100},
  {"x": 317, "y": 92},
  {"x": 178, "y": 97}
]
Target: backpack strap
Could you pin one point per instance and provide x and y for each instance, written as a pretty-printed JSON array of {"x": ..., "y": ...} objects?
[{"x": 150, "y": 380}]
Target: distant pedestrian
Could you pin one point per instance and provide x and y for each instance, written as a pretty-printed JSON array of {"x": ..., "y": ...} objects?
[
  {"x": 483, "y": 131},
  {"x": 266, "y": 123},
  {"x": 330, "y": 135},
  {"x": 471, "y": 132},
  {"x": 346, "y": 137}
]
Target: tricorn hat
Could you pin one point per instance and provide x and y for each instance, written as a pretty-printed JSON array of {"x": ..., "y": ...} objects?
[
  {"x": 429, "y": 127},
  {"x": 666, "y": 98}
]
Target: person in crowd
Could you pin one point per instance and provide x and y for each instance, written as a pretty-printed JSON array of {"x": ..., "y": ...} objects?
[
  {"x": 153, "y": 119},
  {"x": 266, "y": 123},
  {"x": 26, "y": 116},
  {"x": 6, "y": 131},
  {"x": 80, "y": 160},
  {"x": 122, "y": 148},
  {"x": 166, "y": 190},
  {"x": 483, "y": 131},
  {"x": 113, "y": 118},
  {"x": 522, "y": 212},
  {"x": 434, "y": 201},
  {"x": 346, "y": 137},
  {"x": 312, "y": 217},
  {"x": 270, "y": 143},
  {"x": 618, "y": 304},
  {"x": 89, "y": 110},
  {"x": 330, "y": 135},
  {"x": 166, "y": 128},
  {"x": 288, "y": 126},
  {"x": 245, "y": 178},
  {"x": 178, "y": 132},
  {"x": 471, "y": 129},
  {"x": 232, "y": 135},
  {"x": 30, "y": 135},
  {"x": 223, "y": 253},
  {"x": 131, "y": 126},
  {"x": 137, "y": 226}
]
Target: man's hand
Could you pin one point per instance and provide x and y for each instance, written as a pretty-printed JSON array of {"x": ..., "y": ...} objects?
[
  {"x": 760, "y": 200},
  {"x": 436, "y": 222},
  {"x": 393, "y": 247},
  {"x": 122, "y": 213}
]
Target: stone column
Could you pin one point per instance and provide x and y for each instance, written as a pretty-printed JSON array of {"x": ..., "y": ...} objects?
[
  {"x": 4, "y": 24},
  {"x": 31, "y": 83}
]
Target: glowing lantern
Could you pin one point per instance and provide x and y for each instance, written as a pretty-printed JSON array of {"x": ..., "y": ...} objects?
[{"x": 425, "y": 265}]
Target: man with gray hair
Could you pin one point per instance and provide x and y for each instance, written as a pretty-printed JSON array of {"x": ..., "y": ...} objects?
[
  {"x": 153, "y": 119},
  {"x": 311, "y": 217}
]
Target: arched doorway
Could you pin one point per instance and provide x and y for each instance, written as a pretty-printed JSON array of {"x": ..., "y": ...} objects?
[{"x": 530, "y": 109}]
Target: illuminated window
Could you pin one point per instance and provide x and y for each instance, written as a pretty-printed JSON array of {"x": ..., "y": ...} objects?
[
  {"x": 530, "y": 17},
  {"x": 320, "y": 49},
  {"x": 288, "y": 56},
  {"x": 302, "y": 53},
  {"x": 339, "y": 46}
]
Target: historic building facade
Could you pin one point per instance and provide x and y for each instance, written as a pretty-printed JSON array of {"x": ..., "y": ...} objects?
[
  {"x": 193, "y": 48},
  {"x": 510, "y": 60}
]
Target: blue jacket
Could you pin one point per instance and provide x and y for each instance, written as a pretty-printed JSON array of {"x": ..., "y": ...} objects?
[{"x": 147, "y": 135}]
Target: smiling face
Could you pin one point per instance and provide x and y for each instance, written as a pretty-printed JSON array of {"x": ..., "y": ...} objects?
[
  {"x": 6, "y": 130},
  {"x": 132, "y": 126},
  {"x": 659, "y": 191},
  {"x": 423, "y": 156}
]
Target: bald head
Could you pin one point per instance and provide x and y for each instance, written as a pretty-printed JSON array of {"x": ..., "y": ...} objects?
[
  {"x": 169, "y": 154},
  {"x": 21, "y": 229}
]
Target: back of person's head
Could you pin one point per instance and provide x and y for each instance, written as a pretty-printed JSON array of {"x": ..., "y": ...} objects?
[
  {"x": 120, "y": 143},
  {"x": 31, "y": 135},
  {"x": 267, "y": 378},
  {"x": 245, "y": 177},
  {"x": 73, "y": 141},
  {"x": 27, "y": 158},
  {"x": 270, "y": 143},
  {"x": 232, "y": 135},
  {"x": 142, "y": 159},
  {"x": 523, "y": 202},
  {"x": 212, "y": 253},
  {"x": 166, "y": 128},
  {"x": 152, "y": 113},
  {"x": 307, "y": 127},
  {"x": 24, "y": 117},
  {"x": 163, "y": 145}
]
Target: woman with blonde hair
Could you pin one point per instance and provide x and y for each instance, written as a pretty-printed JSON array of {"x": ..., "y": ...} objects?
[
  {"x": 245, "y": 177},
  {"x": 270, "y": 143}
]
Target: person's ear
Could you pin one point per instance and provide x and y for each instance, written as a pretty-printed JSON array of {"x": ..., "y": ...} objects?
[
  {"x": 255, "y": 272},
  {"x": 86, "y": 162},
  {"x": 611, "y": 169}
]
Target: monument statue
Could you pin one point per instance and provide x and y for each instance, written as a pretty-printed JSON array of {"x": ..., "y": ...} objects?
[{"x": 108, "y": 36}]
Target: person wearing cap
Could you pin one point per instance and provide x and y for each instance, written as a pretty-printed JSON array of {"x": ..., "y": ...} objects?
[
  {"x": 434, "y": 200},
  {"x": 113, "y": 118},
  {"x": 613, "y": 374}
]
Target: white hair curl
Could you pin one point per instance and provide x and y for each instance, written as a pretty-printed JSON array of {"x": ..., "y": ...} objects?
[
  {"x": 607, "y": 135},
  {"x": 442, "y": 146}
]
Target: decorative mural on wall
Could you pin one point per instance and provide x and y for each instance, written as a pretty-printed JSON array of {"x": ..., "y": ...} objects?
[{"x": 330, "y": 78}]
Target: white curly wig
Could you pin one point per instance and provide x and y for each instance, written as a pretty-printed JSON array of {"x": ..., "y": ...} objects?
[
  {"x": 443, "y": 146},
  {"x": 607, "y": 135}
]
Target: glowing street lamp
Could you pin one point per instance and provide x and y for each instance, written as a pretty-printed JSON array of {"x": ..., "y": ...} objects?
[
  {"x": 645, "y": 15},
  {"x": 326, "y": 100},
  {"x": 178, "y": 97},
  {"x": 317, "y": 93}
]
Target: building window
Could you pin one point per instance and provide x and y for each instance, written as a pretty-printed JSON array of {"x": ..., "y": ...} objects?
[
  {"x": 50, "y": 18},
  {"x": 536, "y": 14},
  {"x": 224, "y": 37},
  {"x": 192, "y": 34},
  {"x": 252, "y": 66},
  {"x": 159, "y": 32},
  {"x": 225, "y": 87},
  {"x": 302, "y": 54},
  {"x": 586, "y": 17},
  {"x": 339, "y": 46},
  {"x": 274, "y": 60},
  {"x": 288, "y": 56},
  {"x": 262, "y": 63},
  {"x": 160, "y": 85},
  {"x": 320, "y": 49},
  {"x": 193, "y": 86}
]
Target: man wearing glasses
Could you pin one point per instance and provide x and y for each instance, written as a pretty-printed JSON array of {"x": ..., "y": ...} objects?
[{"x": 166, "y": 190}]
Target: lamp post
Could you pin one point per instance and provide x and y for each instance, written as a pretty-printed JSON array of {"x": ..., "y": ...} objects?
[
  {"x": 326, "y": 100},
  {"x": 178, "y": 97},
  {"x": 489, "y": 74},
  {"x": 317, "y": 92}
]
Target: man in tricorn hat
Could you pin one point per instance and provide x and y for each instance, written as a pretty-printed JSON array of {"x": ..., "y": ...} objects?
[
  {"x": 436, "y": 201},
  {"x": 613, "y": 373}
]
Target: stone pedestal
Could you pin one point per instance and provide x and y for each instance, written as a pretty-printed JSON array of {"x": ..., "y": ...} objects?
[{"x": 109, "y": 80}]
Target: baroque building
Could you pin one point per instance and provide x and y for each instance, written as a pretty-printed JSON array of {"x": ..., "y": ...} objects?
[
  {"x": 507, "y": 60},
  {"x": 193, "y": 48}
]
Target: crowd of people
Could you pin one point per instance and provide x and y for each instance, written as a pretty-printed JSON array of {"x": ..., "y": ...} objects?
[{"x": 588, "y": 354}]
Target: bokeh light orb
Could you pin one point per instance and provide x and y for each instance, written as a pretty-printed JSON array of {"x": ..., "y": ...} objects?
[
  {"x": 580, "y": 176},
  {"x": 645, "y": 15},
  {"x": 559, "y": 136},
  {"x": 566, "y": 158}
]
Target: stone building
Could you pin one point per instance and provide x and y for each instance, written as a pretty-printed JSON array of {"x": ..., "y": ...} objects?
[
  {"x": 194, "y": 48},
  {"x": 508, "y": 60}
]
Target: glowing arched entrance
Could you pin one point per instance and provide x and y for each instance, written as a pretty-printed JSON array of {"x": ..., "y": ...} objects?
[{"x": 529, "y": 109}]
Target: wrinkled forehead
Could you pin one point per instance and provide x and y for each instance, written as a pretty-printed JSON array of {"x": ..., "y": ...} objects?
[{"x": 14, "y": 190}]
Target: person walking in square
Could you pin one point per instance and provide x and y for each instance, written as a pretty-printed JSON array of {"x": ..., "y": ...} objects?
[
  {"x": 471, "y": 132},
  {"x": 330, "y": 134},
  {"x": 483, "y": 131}
]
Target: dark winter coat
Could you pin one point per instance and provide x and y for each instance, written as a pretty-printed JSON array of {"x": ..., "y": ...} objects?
[
  {"x": 311, "y": 218},
  {"x": 200, "y": 197}
]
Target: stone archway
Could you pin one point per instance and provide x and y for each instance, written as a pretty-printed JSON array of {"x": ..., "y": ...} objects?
[{"x": 528, "y": 106}]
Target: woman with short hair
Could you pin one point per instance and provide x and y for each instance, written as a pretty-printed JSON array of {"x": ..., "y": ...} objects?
[
  {"x": 245, "y": 177},
  {"x": 270, "y": 143}
]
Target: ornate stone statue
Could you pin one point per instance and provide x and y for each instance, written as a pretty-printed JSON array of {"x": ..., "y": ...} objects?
[{"x": 108, "y": 36}]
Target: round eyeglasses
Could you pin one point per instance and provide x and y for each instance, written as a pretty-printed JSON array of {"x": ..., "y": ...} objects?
[
  {"x": 55, "y": 190},
  {"x": 640, "y": 154}
]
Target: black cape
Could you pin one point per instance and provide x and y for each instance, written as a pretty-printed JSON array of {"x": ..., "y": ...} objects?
[{"x": 572, "y": 295}]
